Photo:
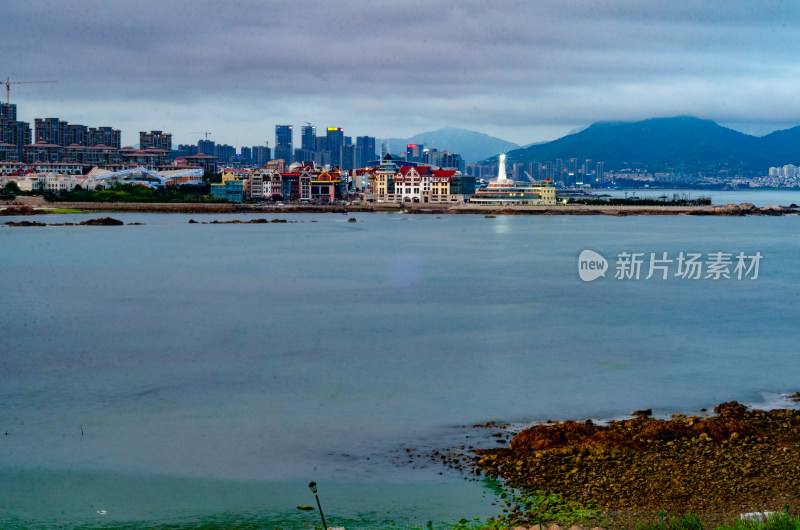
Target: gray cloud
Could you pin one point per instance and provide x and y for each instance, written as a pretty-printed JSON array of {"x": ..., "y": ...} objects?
[{"x": 525, "y": 71}]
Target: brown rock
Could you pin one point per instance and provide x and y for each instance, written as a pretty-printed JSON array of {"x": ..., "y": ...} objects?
[{"x": 102, "y": 221}]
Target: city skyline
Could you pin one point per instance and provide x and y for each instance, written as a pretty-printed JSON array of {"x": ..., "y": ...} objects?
[{"x": 522, "y": 72}]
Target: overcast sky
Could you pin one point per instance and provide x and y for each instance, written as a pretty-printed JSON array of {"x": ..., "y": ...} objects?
[{"x": 523, "y": 71}]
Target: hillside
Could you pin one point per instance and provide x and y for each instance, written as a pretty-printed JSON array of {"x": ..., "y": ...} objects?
[
  {"x": 471, "y": 145},
  {"x": 669, "y": 144}
]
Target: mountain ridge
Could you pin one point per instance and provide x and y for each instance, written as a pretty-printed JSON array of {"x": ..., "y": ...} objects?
[{"x": 676, "y": 144}]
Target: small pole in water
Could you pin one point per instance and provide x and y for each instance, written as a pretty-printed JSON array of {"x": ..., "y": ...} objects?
[
  {"x": 81, "y": 431},
  {"x": 313, "y": 487}
]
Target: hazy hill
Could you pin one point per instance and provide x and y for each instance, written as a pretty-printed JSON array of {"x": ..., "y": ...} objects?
[
  {"x": 471, "y": 145},
  {"x": 669, "y": 144}
]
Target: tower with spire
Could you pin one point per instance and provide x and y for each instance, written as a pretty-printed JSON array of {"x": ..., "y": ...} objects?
[{"x": 502, "y": 178}]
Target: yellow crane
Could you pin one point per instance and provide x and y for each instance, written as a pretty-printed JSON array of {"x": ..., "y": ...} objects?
[
  {"x": 7, "y": 114},
  {"x": 8, "y": 82}
]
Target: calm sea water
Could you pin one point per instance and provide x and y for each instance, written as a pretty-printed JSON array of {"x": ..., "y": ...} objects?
[{"x": 216, "y": 369}]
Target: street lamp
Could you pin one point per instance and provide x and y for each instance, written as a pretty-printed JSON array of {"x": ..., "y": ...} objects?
[{"x": 313, "y": 487}]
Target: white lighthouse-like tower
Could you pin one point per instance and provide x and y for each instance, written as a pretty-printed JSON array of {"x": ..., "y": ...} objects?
[{"x": 502, "y": 178}]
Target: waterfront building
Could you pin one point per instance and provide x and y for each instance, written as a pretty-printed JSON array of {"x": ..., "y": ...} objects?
[
  {"x": 506, "y": 191},
  {"x": 381, "y": 183},
  {"x": 408, "y": 185},
  {"x": 272, "y": 185},
  {"x": 296, "y": 186},
  {"x": 231, "y": 188},
  {"x": 142, "y": 176},
  {"x": 326, "y": 186},
  {"x": 254, "y": 185},
  {"x": 462, "y": 185}
]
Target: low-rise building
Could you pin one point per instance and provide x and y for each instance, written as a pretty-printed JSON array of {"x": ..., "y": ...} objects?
[{"x": 231, "y": 189}]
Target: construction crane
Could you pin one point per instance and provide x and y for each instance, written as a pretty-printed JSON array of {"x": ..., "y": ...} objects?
[
  {"x": 8, "y": 82},
  {"x": 7, "y": 114},
  {"x": 200, "y": 132}
]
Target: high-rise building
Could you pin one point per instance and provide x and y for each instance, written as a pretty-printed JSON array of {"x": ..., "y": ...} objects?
[
  {"x": 365, "y": 151},
  {"x": 572, "y": 172},
  {"x": 77, "y": 134},
  {"x": 443, "y": 159},
  {"x": 51, "y": 131},
  {"x": 157, "y": 139},
  {"x": 246, "y": 153},
  {"x": 8, "y": 113},
  {"x": 104, "y": 136},
  {"x": 17, "y": 135},
  {"x": 261, "y": 155},
  {"x": 348, "y": 162},
  {"x": 414, "y": 152},
  {"x": 308, "y": 135},
  {"x": 335, "y": 142},
  {"x": 186, "y": 150},
  {"x": 206, "y": 147},
  {"x": 225, "y": 153},
  {"x": 283, "y": 143}
]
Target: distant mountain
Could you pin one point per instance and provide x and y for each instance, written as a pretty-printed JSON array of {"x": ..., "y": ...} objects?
[
  {"x": 471, "y": 145},
  {"x": 668, "y": 144}
]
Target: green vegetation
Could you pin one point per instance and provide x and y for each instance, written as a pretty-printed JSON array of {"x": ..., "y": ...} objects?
[
  {"x": 135, "y": 193},
  {"x": 66, "y": 210}
]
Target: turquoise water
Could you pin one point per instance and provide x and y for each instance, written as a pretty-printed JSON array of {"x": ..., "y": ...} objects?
[{"x": 219, "y": 368}]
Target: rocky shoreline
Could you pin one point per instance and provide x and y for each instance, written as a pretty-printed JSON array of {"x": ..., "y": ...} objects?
[
  {"x": 715, "y": 465},
  {"x": 745, "y": 209}
]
